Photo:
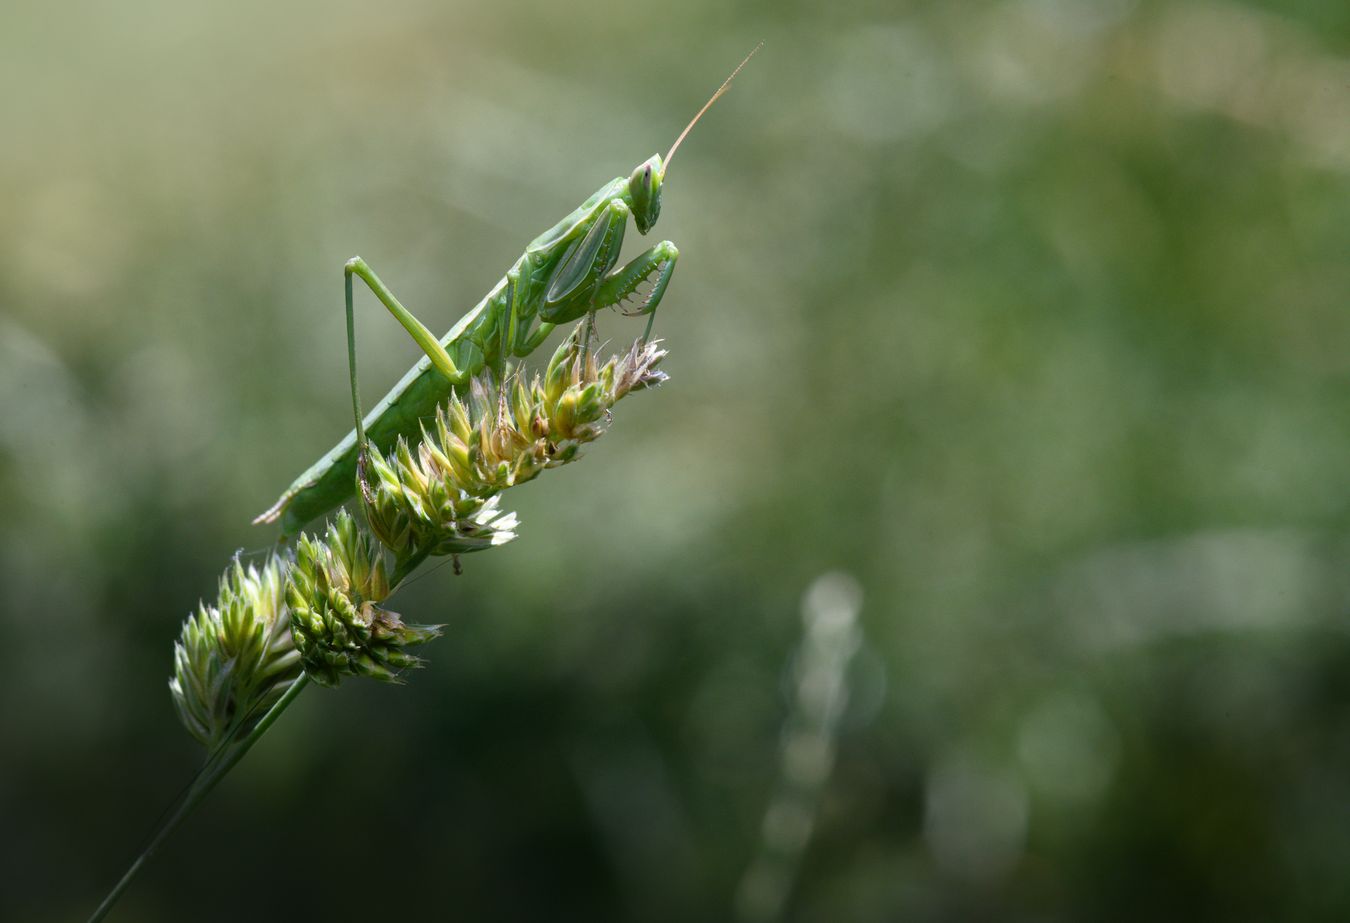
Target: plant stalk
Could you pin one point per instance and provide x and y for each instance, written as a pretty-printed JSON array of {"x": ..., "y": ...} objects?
[
  {"x": 404, "y": 570},
  {"x": 206, "y": 781}
]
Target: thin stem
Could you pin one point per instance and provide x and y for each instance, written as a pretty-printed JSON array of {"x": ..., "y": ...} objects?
[
  {"x": 407, "y": 566},
  {"x": 200, "y": 788}
]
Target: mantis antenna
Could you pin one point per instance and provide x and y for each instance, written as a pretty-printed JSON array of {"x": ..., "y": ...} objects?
[{"x": 708, "y": 105}]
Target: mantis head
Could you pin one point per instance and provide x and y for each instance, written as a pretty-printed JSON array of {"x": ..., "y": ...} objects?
[
  {"x": 644, "y": 189},
  {"x": 644, "y": 186}
]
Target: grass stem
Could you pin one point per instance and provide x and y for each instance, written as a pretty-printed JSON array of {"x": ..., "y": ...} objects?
[{"x": 206, "y": 780}]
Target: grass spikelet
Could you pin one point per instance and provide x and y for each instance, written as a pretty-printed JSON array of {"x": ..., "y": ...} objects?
[
  {"x": 235, "y": 658},
  {"x": 340, "y": 629}
]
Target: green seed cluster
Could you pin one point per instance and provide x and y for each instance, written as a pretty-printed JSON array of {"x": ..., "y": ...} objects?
[
  {"x": 334, "y": 591},
  {"x": 415, "y": 511},
  {"x": 235, "y": 658},
  {"x": 439, "y": 498}
]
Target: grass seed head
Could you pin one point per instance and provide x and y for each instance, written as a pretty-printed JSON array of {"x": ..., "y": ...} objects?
[
  {"x": 439, "y": 497},
  {"x": 235, "y": 658},
  {"x": 340, "y": 629}
]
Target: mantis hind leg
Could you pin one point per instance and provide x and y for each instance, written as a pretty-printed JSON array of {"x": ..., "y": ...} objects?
[{"x": 416, "y": 329}]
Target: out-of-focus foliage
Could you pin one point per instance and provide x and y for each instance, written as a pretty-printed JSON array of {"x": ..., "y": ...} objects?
[{"x": 1033, "y": 316}]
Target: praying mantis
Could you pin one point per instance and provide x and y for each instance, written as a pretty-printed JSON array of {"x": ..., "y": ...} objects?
[{"x": 565, "y": 274}]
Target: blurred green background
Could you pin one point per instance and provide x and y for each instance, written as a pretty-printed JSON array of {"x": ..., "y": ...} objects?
[{"x": 1031, "y": 316}]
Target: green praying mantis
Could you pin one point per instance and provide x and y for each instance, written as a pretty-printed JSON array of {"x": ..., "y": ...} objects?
[{"x": 565, "y": 274}]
